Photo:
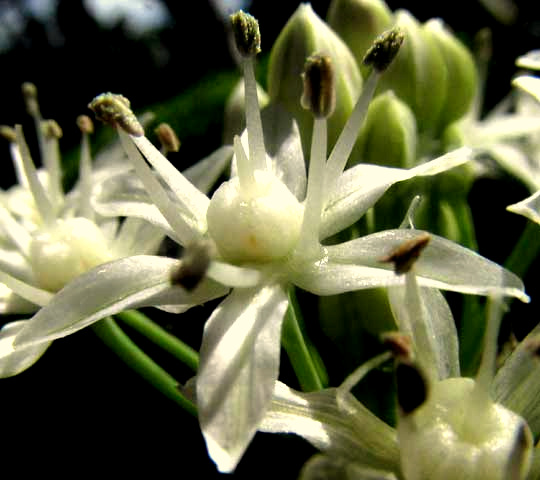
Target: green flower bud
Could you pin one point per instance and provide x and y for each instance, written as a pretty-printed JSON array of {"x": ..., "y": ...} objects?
[
  {"x": 388, "y": 136},
  {"x": 460, "y": 72},
  {"x": 358, "y": 23},
  {"x": 418, "y": 74},
  {"x": 235, "y": 111},
  {"x": 304, "y": 35}
]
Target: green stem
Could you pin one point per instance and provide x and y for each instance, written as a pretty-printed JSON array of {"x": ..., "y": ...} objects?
[
  {"x": 525, "y": 251},
  {"x": 113, "y": 336},
  {"x": 145, "y": 326},
  {"x": 305, "y": 360}
]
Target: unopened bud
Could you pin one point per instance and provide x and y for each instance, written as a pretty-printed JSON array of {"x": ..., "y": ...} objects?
[
  {"x": 358, "y": 23},
  {"x": 51, "y": 129},
  {"x": 319, "y": 93},
  {"x": 29, "y": 91},
  {"x": 407, "y": 253},
  {"x": 384, "y": 49},
  {"x": 8, "y": 133},
  {"x": 246, "y": 33},
  {"x": 167, "y": 137},
  {"x": 115, "y": 110},
  {"x": 194, "y": 264},
  {"x": 85, "y": 124}
]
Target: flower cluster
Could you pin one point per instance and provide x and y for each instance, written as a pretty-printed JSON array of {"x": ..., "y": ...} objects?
[{"x": 312, "y": 204}]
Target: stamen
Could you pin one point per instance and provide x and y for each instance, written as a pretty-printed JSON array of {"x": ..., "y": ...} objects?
[
  {"x": 115, "y": 110},
  {"x": 11, "y": 136},
  {"x": 247, "y": 37},
  {"x": 407, "y": 253},
  {"x": 8, "y": 133},
  {"x": 86, "y": 127},
  {"x": 319, "y": 97},
  {"x": 42, "y": 202},
  {"x": 29, "y": 91},
  {"x": 384, "y": 49},
  {"x": 412, "y": 387},
  {"x": 51, "y": 133},
  {"x": 194, "y": 264},
  {"x": 168, "y": 138},
  {"x": 319, "y": 93}
]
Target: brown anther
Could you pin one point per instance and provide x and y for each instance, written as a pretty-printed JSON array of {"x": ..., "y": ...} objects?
[
  {"x": 412, "y": 387},
  {"x": 8, "y": 133},
  {"x": 399, "y": 344},
  {"x": 319, "y": 94},
  {"x": 115, "y": 110},
  {"x": 85, "y": 124},
  {"x": 51, "y": 129},
  {"x": 167, "y": 137},
  {"x": 404, "y": 256},
  {"x": 194, "y": 263}
]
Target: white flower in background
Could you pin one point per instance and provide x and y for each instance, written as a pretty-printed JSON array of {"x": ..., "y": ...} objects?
[
  {"x": 48, "y": 238},
  {"x": 260, "y": 233},
  {"x": 448, "y": 426},
  {"x": 528, "y": 169}
]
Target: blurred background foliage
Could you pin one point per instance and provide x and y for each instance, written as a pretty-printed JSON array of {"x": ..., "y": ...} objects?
[{"x": 78, "y": 404}]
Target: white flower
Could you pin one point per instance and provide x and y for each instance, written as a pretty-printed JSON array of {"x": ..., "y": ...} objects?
[
  {"x": 448, "y": 426},
  {"x": 263, "y": 231},
  {"x": 48, "y": 238}
]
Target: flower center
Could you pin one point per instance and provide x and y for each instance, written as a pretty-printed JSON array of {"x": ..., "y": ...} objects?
[
  {"x": 261, "y": 225},
  {"x": 65, "y": 250},
  {"x": 448, "y": 442}
]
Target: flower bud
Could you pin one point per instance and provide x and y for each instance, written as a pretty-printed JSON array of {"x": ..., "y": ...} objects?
[
  {"x": 460, "y": 71},
  {"x": 418, "y": 74},
  {"x": 388, "y": 136},
  {"x": 358, "y": 23},
  {"x": 303, "y": 35}
]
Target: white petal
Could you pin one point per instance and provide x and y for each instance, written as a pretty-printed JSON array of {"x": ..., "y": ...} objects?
[
  {"x": 427, "y": 318},
  {"x": 239, "y": 366},
  {"x": 352, "y": 433},
  {"x": 137, "y": 237},
  {"x": 528, "y": 83},
  {"x": 443, "y": 264},
  {"x": 328, "y": 467},
  {"x": 11, "y": 303},
  {"x": 517, "y": 383},
  {"x": 130, "y": 282},
  {"x": 358, "y": 188},
  {"x": 124, "y": 195},
  {"x": 205, "y": 173},
  {"x": 14, "y": 360},
  {"x": 529, "y": 60},
  {"x": 530, "y": 207}
]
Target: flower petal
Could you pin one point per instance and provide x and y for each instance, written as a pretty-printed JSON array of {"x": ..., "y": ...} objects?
[
  {"x": 517, "y": 383},
  {"x": 15, "y": 360},
  {"x": 530, "y": 207},
  {"x": 352, "y": 432},
  {"x": 131, "y": 282},
  {"x": 238, "y": 368},
  {"x": 205, "y": 173},
  {"x": 443, "y": 264},
  {"x": 326, "y": 466},
  {"x": 359, "y": 187}
]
